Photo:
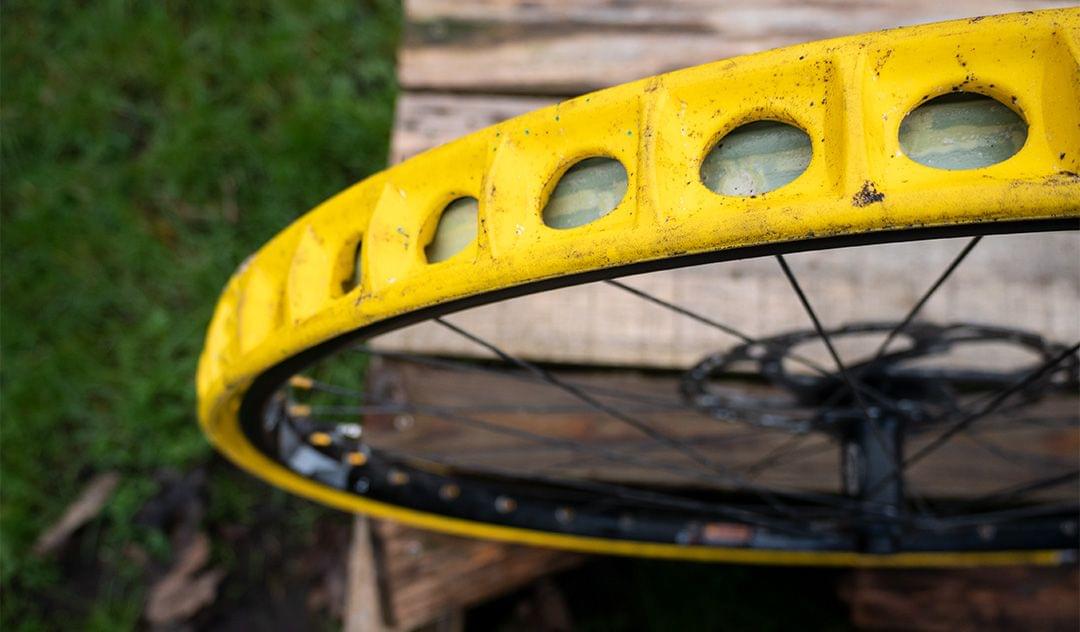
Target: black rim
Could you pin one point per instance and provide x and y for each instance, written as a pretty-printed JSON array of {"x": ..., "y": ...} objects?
[{"x": 753, "y": 518}]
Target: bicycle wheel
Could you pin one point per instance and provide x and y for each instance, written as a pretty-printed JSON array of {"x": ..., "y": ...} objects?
[{"x": 851, "y": 145}]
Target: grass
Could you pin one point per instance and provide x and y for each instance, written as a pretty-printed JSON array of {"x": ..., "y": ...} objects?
[{"x": 147, "y": 148}]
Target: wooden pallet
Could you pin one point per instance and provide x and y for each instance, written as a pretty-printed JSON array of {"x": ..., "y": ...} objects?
[
  {"x": 402, "y": 578},
  {"x": 1018, "y": 599}
]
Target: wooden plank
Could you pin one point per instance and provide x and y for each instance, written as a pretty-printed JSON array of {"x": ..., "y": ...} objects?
[
  {"x": 1003, "y": 453},
  {"x": 565, "y": 47},
  {"x": 363, "y": 597},
  {"x": 423, "y": 121},
  {"x": 969, "y": 599},
  {"x": 428, "y": 574},
  {"x": 401, "y": 578}
]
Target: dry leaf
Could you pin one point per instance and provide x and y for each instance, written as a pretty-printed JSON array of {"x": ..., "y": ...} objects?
[
  {"x": 84, "y": 509},
  {"x": 181, "y": 593}
]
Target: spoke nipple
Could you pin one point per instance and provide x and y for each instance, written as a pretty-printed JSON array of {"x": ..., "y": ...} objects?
[
  {"x": 362, "y": 485},
  {"x": 350, "y": 431},
  {"x": 564, "y": 515},
  {"x": 320, "y": 439},
  {"x": 987, "y": 532},
  {"x": 505, "y": 504},
  {"x": 397, "y": 477},
  {"x": 301, "y": 381},
  {"x": 403, "y": 422},
  {"x": 449, "y": 491},
  {"x": 689, "y": 534},
  {"x": 299, "y": 410}
]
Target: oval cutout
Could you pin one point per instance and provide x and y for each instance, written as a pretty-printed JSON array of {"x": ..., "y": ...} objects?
[
  {"x": 589, "y": 190},
  {"x": 353, "y": 280},
  {"x": 962, "y": 130},
  {"x": 456, "y": 229},
  {"x": 756, "y": 158}
]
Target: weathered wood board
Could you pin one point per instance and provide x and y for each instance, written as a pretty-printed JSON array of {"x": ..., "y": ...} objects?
[
  {"x": 403, "y": 578},
  {"x": 1016, "y": 599},
  {"x": 567, "y": 47},
  {"x": 432, "y": 572}
]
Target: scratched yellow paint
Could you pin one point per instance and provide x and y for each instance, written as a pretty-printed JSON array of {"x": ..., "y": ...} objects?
[{"x": 850, "y": 95}]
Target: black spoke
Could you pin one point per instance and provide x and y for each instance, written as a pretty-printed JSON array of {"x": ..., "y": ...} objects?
[
  {"x": 613, "y": 456},
  {"x": 767, "y": 495},
  {"x": 457, "y": 365},
  {"x": 771, "y": 458},
  {"x": 917, "y": 307},
  {"x": 1013, "y": 457},
  {"x": 378, "y": 407},
  {"x": 824, "y": 335},
  {"x": 678, "y": 309},
  {"x": 622, "y": 492},
  {"x": 990, "y": 406},
  {"x": 746, "y": 338},
  {"x": 576, "y": 392},
  {"x": 1016, "y": 492},
  {"x": 627, "y": 447},
  {"x": 643, "y": 448},
  {"x": 1005, "y": 515},
  {"x": 871, "y": 417}
]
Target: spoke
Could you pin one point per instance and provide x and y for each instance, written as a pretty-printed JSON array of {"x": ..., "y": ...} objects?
[
  {"x": 1025, "y": 460},
  {"x": 728, "y": 329},
  {"x": 662, "y": 499},
  {"x": 785, "y": 449},
  {"x": 990, "y": 406},
  {"x": 443, "y": 363},
  {"x": 555, "y": 442},
  {"x": 1015, "y": 492},
  {"x": 768, "y": 496},
  {"x": 1004, "y": 515},
  {"x": 807, "y": 362},
  {"x": 917, "y": 307},
  {"x": 987, "y": 409},
  {"x": 731, "y": 331},
  {"x": 802, "y": 453},
  {"x": 895, "y": 471},
  {"x": 576, "y": 392},
  {"x": 844, "y": 374},
  {"x": 627, "y": 447},
  {"x": 725, "y": 477},
  {"x": 710, "y": 442},
  {"x": 380, "y": 407}
]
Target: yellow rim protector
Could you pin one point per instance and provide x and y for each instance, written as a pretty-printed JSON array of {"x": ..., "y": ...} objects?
[{"x": 825, "y": 140}]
